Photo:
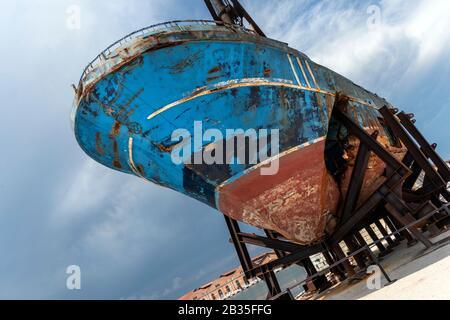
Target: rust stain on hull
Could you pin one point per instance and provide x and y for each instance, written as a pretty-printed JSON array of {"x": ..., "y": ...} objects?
[
  {"x": 116, "y": 161},
  {"x": 98, "y": 144},
  {"x": 213, "y": 78},
  {"x": 215, "y": 69},
  {"x": 272, "y": 202},
  {"x": 115, "y": 130}
]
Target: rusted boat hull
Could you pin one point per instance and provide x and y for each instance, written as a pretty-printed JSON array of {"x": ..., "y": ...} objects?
[
  {"x": 297, "y": 202},
  {"x": 130, "y": 103}
]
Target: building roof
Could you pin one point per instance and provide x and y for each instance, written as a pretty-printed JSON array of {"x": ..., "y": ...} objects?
[{"x": 225, "y": 278}]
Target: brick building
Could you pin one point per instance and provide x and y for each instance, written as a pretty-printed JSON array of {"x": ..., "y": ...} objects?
[{"x": 228, "y": 284}]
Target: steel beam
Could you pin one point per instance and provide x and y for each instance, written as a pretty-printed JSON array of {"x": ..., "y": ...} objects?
[
  {"x": 243, "y": 13},
  {"x": 375, "y": 239},
  {"x": 427, "y": 149},
  {"x": 271, "y": 235},
  {"x": 354, "y": 246},
  {"x": 272, "y": 283},
  {"x": 366, "y": 208},
  {"x": 404, "y": 220},
  {"x": 304, "y": 263},
  {"x": 298, "y": 255},
  {"x": 330, "y": 261},
  {"x": 392, "y": 227},
  {"x": 241, "y": 249},
  {"x": 273, "y": 244},
  {"x": 412, "y": 179},
  {"x": 384, "y": 232},
  {"x": 341, "y": 255},
  {"x": 417, "y": 154},
  {"x": 372, "y": 143},
  {"x": 212, "y": 11},
  {"x": 357, "y": 180},
  {"x": 408, "y": 160}
]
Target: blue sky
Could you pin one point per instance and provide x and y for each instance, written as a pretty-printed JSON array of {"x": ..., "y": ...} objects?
[{"x": 133, "y": 239}]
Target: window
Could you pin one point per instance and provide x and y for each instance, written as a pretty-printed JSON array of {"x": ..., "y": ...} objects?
[
  {"x": 238, "y": 285},
  {"x": 220, "y": 294},
  {"x": 228, "y": 289},
  {"x": 213, "y": 296}
]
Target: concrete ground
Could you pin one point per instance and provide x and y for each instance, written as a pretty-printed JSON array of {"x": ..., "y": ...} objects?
[{"x": 421, "y": 275}]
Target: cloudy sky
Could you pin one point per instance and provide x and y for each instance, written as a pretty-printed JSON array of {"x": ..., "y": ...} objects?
[{"x": 133, "y": 239}]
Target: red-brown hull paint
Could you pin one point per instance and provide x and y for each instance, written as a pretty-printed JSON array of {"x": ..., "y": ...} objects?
[{"x": 296, "y": 202}]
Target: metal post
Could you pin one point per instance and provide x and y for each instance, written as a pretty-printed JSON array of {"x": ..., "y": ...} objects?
[
  {"x": 357, "y": 180},
  {"x": 241, "y": 249},
  {"x": 375, "y": 239},
  {"x": 353, "y": 246},
  {"x": 341, "y": 255},
  {"x": 335, "y": 270},
  {"x": 384, "y": 232},
  {"x": 272, "y": 283}
]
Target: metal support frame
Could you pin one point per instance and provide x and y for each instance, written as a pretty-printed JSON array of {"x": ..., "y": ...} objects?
[
  {"x": 420, "y": 150},
  {"x": 400, "y": 175},
  {"x": 304, "y": 263},
  {"x": 388, "y": 202},
  {"x": 288, "y": 253}
]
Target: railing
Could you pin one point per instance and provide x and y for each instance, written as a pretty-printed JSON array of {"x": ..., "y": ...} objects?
[{"x": 153, "y": 29}]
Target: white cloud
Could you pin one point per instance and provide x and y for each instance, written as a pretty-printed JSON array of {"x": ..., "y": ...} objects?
[
  {"x": 410, "y": 36},
  {"x": 207, "y": 272},
  {"x": 89, "y": 188}
]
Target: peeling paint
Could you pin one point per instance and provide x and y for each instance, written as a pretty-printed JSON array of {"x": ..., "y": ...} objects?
[{"x": 128, "y": 104}]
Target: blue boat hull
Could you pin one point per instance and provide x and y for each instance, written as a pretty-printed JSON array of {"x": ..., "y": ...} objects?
[{"x": 126, "y": 116}]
